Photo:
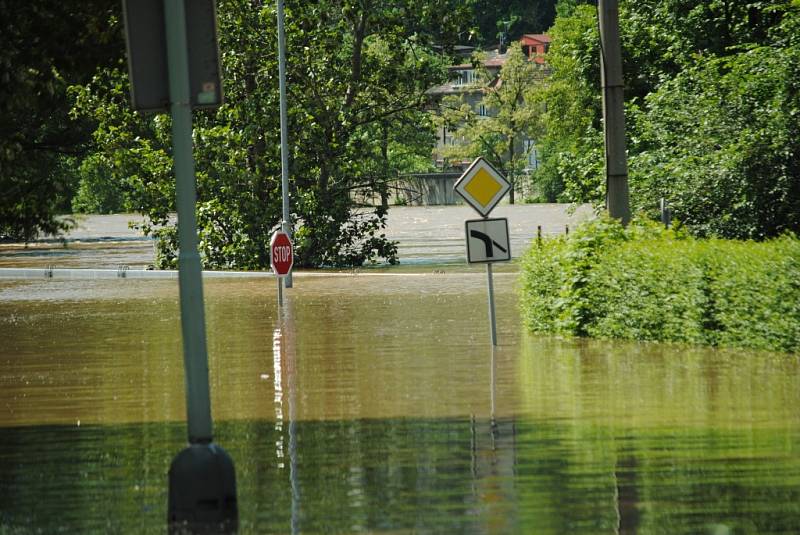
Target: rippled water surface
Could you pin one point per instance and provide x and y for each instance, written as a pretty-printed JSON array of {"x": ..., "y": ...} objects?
[{"x": 375, "y": 403}]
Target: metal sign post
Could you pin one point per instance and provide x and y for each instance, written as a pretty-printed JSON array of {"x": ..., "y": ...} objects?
[
  {"x": 281, "y": 258},
  {"x": 146, "y": 41},
  {"x": 492, "y": 320},
  {"x": 286, "y": 224},
  {"x": 482, "y": 186},
  {"x": 202, "y": 478},
  {"x": 488, "y": 242}
]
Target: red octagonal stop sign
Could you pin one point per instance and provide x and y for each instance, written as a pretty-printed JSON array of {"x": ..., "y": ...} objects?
[{"x": 281, "y": 254}]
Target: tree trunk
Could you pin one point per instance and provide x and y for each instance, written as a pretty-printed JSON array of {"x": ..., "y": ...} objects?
[
  {"x": 359, "y": 33},
  {"x": 384, "y": 186}
]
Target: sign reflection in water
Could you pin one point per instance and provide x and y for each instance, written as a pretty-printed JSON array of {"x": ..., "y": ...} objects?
[
  {"x": 283, "y": 359},
  {"x": 380, "y": 409}
]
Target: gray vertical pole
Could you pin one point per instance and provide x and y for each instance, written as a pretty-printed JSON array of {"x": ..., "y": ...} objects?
[
  {"x": 493, "y": 417},
  {"x": 195, "y": 357},
  {"x": 286, "y": 224},
  {"x": 613, "y": 112},
  {"x": 202, "y": 478},
  {"x": 494, "y": 385},
  {"x": 492, "y": 321},
  {"x": 666, "y": 215}
]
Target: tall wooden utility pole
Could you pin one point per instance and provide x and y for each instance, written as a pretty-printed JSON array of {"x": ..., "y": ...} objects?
[{"x": 617, "y": 200}]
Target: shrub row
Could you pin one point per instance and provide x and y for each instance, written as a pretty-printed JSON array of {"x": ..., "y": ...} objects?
[{"x": 646, "y": 283}]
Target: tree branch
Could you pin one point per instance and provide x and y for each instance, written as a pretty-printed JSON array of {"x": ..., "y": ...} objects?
[{"x": 359, "y": 33}]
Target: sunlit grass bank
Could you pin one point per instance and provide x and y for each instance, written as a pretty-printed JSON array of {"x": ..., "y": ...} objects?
[{"x": 647, "y": 283}]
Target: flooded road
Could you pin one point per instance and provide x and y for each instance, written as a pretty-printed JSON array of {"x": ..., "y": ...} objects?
[
  {"x": 425, "y": 235},
  {"x": 375, "y": 403}
]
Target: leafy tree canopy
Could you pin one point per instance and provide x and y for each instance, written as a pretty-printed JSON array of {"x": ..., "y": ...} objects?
[
  {"x": 520, "y": 16},
  {"x": 713, "y": 112},
  {"x": 45, "y": 47},
  {"x": 357, "y": 73}
]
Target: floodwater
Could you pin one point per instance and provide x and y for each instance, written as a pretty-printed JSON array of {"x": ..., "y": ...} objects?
[
  {"x": 374, "y": 402},
  {"x": 425, "y": 235}
]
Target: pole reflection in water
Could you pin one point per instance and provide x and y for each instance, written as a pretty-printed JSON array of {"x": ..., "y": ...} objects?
[
  {"x": 277, "y": 371},
  {"x": 494, "y": 464},
  {"x": 589, "y": 437},
  {"x": 284, "y": 370},
  {"x": 626, "y": 493}
]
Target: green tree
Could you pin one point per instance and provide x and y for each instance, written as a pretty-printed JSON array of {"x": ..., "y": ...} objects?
[
  {"x": 353, "y": 96},
  {"x": 510, "y": 117},
  {"x": 526, "y": 16},
  {"x": 357, "y": 72},
  {"x": 712, "y": 106},
  {"x": 720, "y": 141},
  {"x": 97, "y": 191},
  {"x": 45, "y": 47},
  {"x": 571, "y": 139}
]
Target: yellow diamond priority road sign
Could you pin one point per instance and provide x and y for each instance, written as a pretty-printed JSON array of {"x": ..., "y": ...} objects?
[{"x": 482, "y": 186}]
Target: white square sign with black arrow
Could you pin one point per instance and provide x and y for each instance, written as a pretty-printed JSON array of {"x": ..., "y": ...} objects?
[{"x": 487, "y": 240}]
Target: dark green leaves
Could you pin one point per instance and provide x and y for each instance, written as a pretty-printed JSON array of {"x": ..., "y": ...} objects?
[{"x": 645, "y": 283}]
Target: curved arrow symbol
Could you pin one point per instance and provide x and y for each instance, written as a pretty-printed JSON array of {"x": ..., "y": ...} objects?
[{"x": 487, "y": 242}]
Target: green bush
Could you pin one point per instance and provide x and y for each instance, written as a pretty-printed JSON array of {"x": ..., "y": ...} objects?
[
  {"x": 646, "y": 283},
  {"x": 649, "y": 290},
  {"x": 755, "y": 289},
  {"x": 541, "y": 281},
  {"x": 99, "y": 192}
]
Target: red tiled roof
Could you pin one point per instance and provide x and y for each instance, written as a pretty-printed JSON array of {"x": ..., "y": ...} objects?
[{"x": 542, "y": 38}]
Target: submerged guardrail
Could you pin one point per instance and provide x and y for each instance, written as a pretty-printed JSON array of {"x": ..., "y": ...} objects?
[{"x": 121, "y": 272}]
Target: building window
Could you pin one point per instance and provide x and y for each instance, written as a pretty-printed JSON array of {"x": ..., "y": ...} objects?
[
  {"x": 482, "y": 110},
  {"x": 465, "y": 77},
  {"x": 533, "y": 154}
]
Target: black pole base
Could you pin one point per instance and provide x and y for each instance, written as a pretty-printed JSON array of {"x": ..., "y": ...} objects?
[{"x": 202, "y": 492}]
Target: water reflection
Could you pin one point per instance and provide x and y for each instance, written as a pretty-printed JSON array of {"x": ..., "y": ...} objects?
[
  {"x": 376, "y": 403},
  {"x": 420, "y": 475},
  {"x": 277, "y": 370},
  {"x": 284, "y": 353}
]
